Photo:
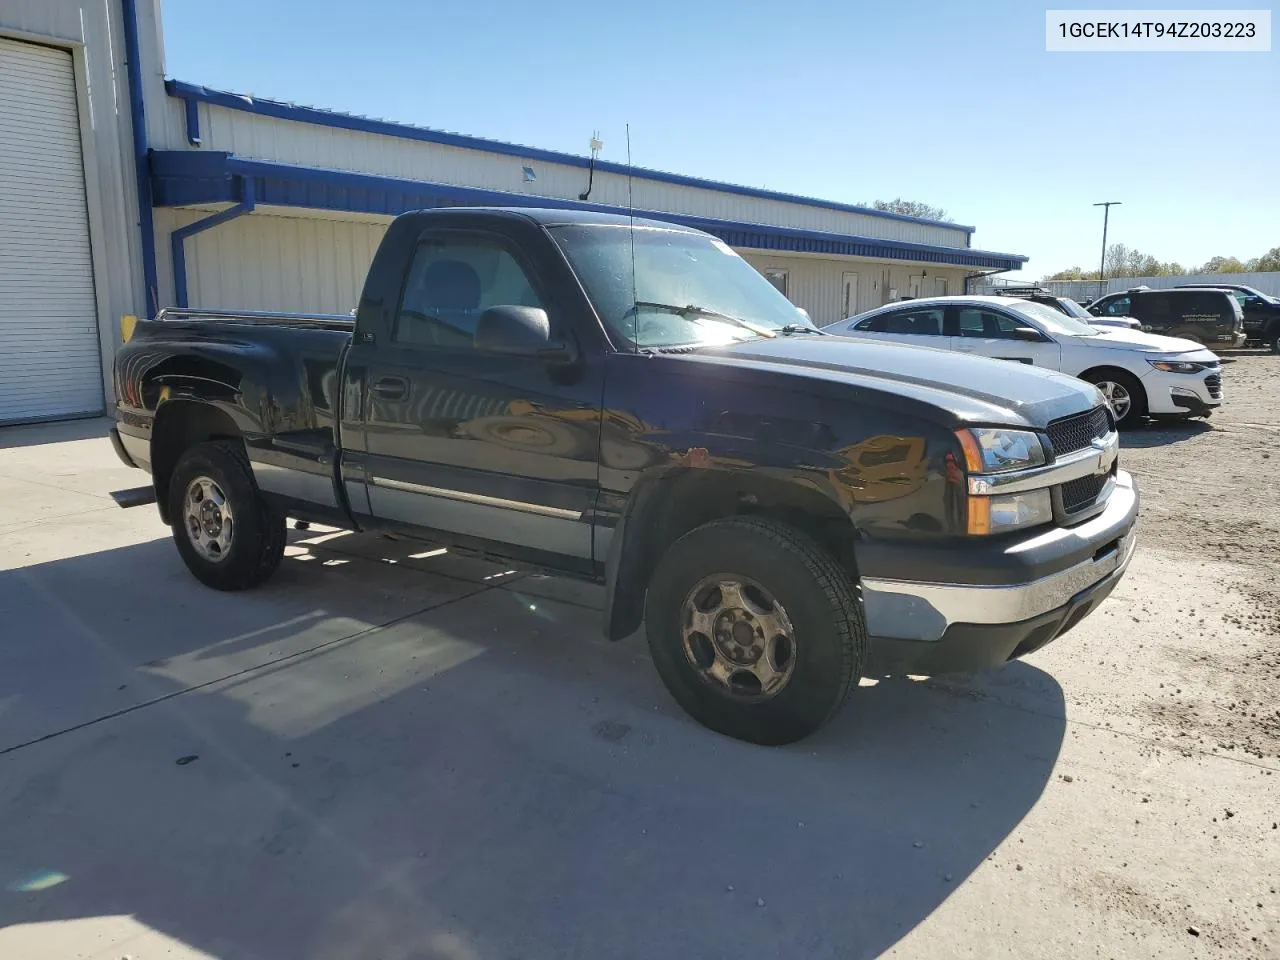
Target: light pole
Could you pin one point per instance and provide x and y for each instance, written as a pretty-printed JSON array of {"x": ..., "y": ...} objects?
[{"x": 1102, "y": 265}]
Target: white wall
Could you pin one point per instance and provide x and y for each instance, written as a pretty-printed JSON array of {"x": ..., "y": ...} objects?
[
  {"x": 269, "y": 261},
  {"x": 93, "y": 31},
  {"x": 265, "y": 138},
  {"x": 276, "y": 259},
  {"x": 817, "y": 284}
]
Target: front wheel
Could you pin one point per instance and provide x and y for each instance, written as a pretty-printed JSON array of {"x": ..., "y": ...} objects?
[
  {"x": 1125, "y": 395},
  {"x": 225, "y": 533},
  {"x": 755, "y": 630}
]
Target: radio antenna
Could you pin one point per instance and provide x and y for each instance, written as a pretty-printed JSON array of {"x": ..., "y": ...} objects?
[{"x": 631, "y": 214}]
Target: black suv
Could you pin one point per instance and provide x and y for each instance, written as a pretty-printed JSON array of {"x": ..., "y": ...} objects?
[
  {"x": 1206, "y": 316},
  {"x": 1261, "y": 312}
]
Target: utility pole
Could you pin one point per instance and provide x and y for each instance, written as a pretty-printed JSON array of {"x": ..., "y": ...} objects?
[{"x": 1102, "y": 266}]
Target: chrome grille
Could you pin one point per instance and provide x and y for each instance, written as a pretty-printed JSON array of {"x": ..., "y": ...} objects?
[
  {"x": 1074, "y": 433},
  {"x": 1214, "y": 382},
  {"x": 1081, "y": 493}
]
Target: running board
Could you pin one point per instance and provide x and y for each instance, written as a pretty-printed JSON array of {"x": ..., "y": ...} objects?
[{"x": 134, "y": 497}]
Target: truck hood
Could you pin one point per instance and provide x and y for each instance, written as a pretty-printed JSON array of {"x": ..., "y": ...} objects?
[
  {"x": 1118, "y": 338},
  {"x": 968, "y": 389}
]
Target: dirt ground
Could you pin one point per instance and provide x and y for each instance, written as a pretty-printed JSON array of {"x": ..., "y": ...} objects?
[{"x": 1211, "y": 491}]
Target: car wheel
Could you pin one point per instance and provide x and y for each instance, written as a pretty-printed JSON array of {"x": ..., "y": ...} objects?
[
  {"x": 1124, "y": 393},
  {"x": 226, "y": 534},
  {"x": 755, "y": 630},
  {"x": 1275, "y": 340}
]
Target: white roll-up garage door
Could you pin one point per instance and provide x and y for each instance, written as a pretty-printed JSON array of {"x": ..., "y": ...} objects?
[{"x": 49, "y": 360}]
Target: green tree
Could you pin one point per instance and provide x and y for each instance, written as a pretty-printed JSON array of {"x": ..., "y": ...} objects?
[
  {"x": 1266, "y": 263},
  {"x": 1073, "y": 273},
  {"x": 910, "y": 208},
  {"x": 1223, "y": 265}
]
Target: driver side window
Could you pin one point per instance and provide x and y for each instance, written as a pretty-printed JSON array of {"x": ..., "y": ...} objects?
[
  {"x": 450, "y": 283},
  {"x": 1118, "y": 307},
  {"x": 987, "y": 325}
]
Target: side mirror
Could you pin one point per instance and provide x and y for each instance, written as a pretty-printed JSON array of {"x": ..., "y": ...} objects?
[
  {"x": 1028, "y": 333},
  {"x": 516, "y": 331}
]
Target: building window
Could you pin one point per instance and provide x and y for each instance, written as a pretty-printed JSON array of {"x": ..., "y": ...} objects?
[{"x": 778, "y": 278}]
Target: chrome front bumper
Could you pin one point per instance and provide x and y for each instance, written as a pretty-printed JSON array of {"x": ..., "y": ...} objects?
[{"x": 924, "y": 611}]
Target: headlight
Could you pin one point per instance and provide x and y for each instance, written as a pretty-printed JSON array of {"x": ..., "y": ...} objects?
[
  {"x": 1010, "y": 511},
  {"x": 1179, "y": 366},
  {"x": 996, "y": 450}
]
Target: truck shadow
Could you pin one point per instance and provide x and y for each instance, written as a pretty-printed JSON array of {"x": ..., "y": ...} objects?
[{"x": 275, "y": 775}]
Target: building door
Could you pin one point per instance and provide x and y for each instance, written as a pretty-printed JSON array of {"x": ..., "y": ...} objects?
[
  {"x": 939, "y": 286},
  {"x": 916, "y": 284},
  {"x": 49, "y": 360},
  {"x": 849, "y": 300}
]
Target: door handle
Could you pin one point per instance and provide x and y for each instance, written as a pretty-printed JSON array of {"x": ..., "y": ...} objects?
[{"x": 391, "y": 388}]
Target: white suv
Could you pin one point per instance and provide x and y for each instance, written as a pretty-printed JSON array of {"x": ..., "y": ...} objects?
[{"x": 1140, "y": 373}]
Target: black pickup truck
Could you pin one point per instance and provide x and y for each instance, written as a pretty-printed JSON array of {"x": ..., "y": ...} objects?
[{"x": 631, "y": 403}]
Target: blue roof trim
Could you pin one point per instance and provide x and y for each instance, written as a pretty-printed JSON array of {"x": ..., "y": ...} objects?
[
  {"x": 345, "y": 121},
  {"x": 181, "y": 177}
]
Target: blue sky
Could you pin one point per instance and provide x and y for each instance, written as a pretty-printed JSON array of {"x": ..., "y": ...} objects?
[{"x": 842, "y": 100}]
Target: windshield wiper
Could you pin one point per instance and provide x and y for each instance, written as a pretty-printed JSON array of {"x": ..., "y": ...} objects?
[
  {"x": 799, "y": 328},
  {"x": 696, "y": 311}
]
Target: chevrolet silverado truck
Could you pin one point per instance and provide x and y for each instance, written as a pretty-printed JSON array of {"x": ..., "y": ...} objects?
[{"x": 629, "y": 402}]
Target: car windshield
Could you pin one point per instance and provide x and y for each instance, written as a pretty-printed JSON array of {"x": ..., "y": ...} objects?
[
  {"x": 1055, "y": 321},
  {"x": 1073, "y": 309},
  {"x": 689, "y": 288}
]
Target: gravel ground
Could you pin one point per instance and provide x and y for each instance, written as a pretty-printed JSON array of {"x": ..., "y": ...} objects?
[{"x": 1211, "y": 491}]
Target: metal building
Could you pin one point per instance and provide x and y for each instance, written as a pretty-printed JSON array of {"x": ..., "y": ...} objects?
[{"x": 201, "y": 197}]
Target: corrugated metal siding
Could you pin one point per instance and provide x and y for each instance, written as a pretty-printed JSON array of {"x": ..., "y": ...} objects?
[
  {"x": 269, "y": 138},
  {"x": 102, "y": 101},
  {"x": 266, "y": 262},
  {"x": 1264, "y": 282},
  {"x": 817, "y": 285},
  {"x": 269, "y": 261},
  {"x": 1268, "y": 283},
  {"x": 49, "y": 364}
]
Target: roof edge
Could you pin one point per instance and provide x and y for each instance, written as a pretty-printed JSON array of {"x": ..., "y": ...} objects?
[
  {"x": 185, "y": 177},
  {"x": 281, "y": 110}
]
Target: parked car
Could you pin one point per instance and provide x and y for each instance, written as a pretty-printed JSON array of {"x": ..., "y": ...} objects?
[
  {"x": 1073, "y": 308},
  {"x": 1205, "y": 316},
  {"x": 1261, "y": 311},
  {"x": 636, "y": 406},
  {"x": 1140, "y": 374}
]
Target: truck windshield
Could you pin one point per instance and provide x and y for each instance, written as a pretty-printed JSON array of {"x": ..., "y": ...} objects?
[{"x": 690, "y": 289}]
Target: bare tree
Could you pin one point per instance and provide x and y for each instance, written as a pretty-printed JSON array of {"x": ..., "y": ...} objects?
[{"x": 910, "y": 208}]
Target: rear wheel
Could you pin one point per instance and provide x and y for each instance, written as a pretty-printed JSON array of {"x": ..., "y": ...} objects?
[
  {"x": 226, "y": 534},
  {"x": 1274, "y": 338},
  {"x": 1124, "y": 393},
  {"x": 755, "y": 630}
]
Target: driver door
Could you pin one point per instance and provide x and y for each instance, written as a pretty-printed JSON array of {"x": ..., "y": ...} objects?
[
  {"x": 479, "y": 445},
  {"x": 991, "y": 333}
]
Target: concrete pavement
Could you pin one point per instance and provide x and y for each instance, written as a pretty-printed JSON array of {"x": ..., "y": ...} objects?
[{"x": 392, "y": 752}]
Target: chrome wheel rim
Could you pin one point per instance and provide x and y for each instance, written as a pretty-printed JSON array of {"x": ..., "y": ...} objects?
[
  {"x": 1117, "y": 396},
  {"x": 208, "y": 519},
  {"x": 738, "y": 638}
]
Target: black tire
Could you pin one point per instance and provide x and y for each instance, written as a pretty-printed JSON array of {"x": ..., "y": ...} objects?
[
  {"x": 1137, "y": 408},
  {"x": 830, "y": 635},
  {"x": 1273, "y": 340},
  {"x": 258, "y": 537}
]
